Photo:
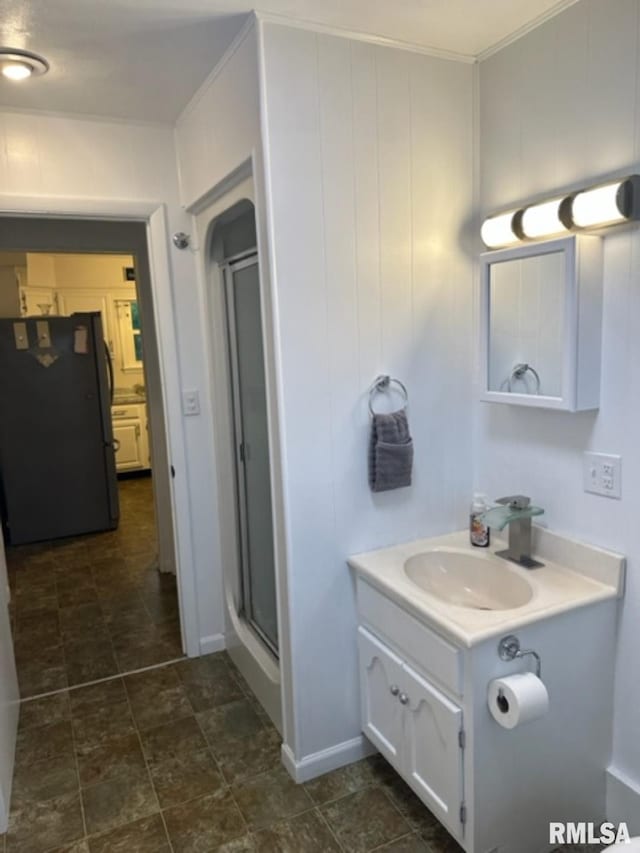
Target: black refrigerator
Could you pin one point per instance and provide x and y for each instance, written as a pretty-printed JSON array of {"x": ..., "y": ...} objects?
[{"x": 57, "y": 455}]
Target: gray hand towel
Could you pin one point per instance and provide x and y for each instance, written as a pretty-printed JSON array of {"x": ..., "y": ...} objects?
[{"x": 390, "y": 452}]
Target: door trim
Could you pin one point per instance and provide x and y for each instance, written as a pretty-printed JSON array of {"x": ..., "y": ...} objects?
[{"x": 154, "y": 215}]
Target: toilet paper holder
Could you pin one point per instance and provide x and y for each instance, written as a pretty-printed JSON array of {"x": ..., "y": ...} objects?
[{"x": 509, "y": 649}]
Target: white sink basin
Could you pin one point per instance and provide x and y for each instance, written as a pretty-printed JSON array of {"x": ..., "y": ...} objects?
[{"x": 478, "y": 582}]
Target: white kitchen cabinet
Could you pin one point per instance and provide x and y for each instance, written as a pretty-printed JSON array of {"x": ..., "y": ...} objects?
[
  {"x": 33, "y": 298},
  {"x": 130, "y": 432},
  {"x": 416, "y": 728},
  {"x": 75, "y": 301}
]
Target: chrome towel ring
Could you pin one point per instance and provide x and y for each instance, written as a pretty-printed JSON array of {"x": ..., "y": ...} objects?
[
  {"x": 520, "y": 371},
  {"x": 381, "y": 384}
]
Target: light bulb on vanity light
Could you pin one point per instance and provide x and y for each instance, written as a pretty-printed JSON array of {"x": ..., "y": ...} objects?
[
  {"x": 497, "y": 231},
  {"x": 543, "y": 220},
  {"x": 608, "y": 204}
]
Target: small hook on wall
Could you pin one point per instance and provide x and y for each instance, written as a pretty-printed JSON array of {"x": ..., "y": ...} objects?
[{"x": 181, "y": 240}]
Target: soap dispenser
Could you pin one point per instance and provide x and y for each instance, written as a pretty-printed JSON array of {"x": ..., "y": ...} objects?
[{"x": 479, "y": 532}]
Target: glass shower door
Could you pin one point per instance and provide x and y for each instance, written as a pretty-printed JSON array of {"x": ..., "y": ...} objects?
[{"x": 253, "y": 473}]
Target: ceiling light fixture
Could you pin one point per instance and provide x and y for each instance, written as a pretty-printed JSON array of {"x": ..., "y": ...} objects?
[{"x": 18, "y": 64}]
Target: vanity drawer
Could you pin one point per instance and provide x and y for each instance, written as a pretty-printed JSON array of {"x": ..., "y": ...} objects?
[{"x": 428, "y": 650}]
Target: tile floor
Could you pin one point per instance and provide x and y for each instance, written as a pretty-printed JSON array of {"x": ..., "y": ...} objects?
[
  {"x": 93, "y": 606},
  {"x": 177, "y": 759},
  {"x": 182, "y": 758}
]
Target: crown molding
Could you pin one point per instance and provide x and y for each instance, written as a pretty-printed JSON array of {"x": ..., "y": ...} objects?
[
  {"x": 357, "y": 35},
  {"x": 67, "y": 115},
  {"x": 533, "y": 24}
]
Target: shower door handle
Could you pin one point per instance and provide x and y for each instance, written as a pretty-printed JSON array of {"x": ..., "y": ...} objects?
[{"x": 243, "y": 451}]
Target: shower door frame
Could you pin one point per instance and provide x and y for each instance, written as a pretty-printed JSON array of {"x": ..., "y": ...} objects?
[{"x": 229, "y": 266}]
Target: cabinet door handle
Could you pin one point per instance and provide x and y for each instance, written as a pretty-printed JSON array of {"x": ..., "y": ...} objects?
[
  {"x": 404, "y": 699},
  {"x": 394, "y": 690}
]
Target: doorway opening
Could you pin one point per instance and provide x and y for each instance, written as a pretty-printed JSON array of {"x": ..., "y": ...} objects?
[{"x": 85, "y": 487}]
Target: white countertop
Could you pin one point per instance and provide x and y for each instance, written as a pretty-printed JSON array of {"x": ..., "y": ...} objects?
[{"x": 574, "y": 575}]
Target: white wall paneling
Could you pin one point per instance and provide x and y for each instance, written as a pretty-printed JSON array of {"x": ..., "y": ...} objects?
[
  {"x": 368, "y": 158},
  {"x": 221, "y": 124},
  {"x": 559, "y": 109}
]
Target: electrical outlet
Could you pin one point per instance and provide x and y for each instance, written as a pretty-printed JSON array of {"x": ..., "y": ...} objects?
[
  {"x": 603, "y": 474},
  {"x": 190, "y": 403}
]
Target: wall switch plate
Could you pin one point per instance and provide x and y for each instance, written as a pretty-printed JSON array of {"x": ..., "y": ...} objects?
[
  {"x": 190, "y": 403},
  {"x": 603, "y": 474}
]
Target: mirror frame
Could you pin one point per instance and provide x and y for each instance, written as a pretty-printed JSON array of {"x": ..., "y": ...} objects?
[{"x": 580, "y": 380}]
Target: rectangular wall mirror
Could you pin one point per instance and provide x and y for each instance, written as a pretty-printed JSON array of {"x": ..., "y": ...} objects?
[{"x": 541, "y": 307}]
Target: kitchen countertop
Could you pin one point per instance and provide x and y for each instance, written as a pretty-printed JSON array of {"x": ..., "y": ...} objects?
[{"x": 574, "y": 575}]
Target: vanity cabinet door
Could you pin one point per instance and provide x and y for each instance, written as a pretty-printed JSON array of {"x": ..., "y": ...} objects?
[
  {"x": 381, "y": 679},
  {"x": 433, "y": 752}
]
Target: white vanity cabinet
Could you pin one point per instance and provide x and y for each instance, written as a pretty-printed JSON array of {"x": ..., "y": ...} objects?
[
  {"x": 382, "y": 714},
  {"x": 405, "y": 713},
  {"x": 416, "y": 728},
  {"x": 434, "y": 749},
  {"x": 424, "y": 680}
]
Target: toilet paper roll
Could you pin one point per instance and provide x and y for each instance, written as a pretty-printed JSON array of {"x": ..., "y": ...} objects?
[{"x": 517, "y": 699}]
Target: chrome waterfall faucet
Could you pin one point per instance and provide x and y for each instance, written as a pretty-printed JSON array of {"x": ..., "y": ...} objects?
[{"x": 516, "y": 512}]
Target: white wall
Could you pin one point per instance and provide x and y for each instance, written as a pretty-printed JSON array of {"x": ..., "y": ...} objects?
[
  {"x": 53, "y": 159},
  {"x": 220, "y": 127},
  {"x": 559, "y": 109},
  {"x": 369, "y": 163}
]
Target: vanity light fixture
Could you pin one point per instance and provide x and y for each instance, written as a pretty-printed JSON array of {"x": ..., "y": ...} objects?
[
  {"x": 497, "y": 231},
  {"x": 611, "y": 203},
  {"x": 18, "y": 64},
  {"x": 543, "y": 220},
  {"x": 608, "y": 204}
]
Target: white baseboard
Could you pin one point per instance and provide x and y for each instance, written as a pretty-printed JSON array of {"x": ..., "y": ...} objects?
[
  {"x": 211, "y": 644},
  {"x": 327, "y": 759},
  {"x": 623, "y": 800}
]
